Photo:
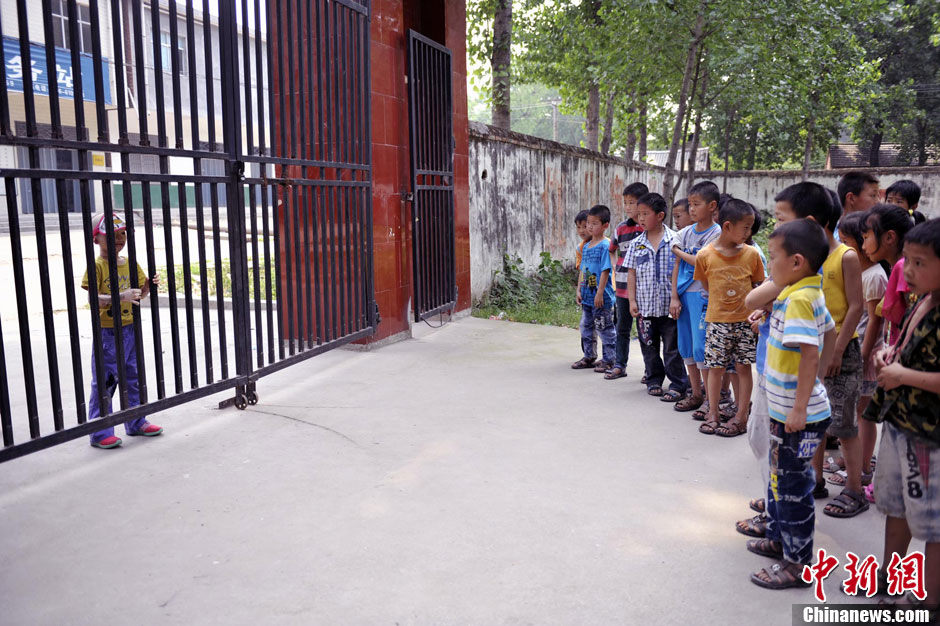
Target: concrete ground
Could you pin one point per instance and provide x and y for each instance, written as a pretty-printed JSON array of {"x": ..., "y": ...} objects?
[{"x": 467, "y": 476}]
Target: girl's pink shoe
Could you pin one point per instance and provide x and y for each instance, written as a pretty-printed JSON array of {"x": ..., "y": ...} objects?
[{"x": 870, "y": 492}]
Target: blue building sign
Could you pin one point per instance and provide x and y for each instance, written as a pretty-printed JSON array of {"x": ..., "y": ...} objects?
[{"x": 63, "y": 68}]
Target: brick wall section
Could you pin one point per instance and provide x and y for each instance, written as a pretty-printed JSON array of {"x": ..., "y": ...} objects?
[{"x": 391, "y": 160}]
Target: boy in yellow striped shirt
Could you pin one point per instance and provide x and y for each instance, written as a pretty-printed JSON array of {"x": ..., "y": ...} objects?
[{"x": 801, "y": 337}]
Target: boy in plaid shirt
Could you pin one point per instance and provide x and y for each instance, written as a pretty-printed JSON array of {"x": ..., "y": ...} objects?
[{"x": 650, "y": 262}]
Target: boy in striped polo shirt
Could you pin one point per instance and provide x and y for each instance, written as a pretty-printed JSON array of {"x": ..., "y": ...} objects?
[
  {"x": 802, "y": 335},
  {"x": 626, "y": 232}
]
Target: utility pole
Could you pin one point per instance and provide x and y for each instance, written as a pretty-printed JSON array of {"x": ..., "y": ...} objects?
[{"x": 554, "y": 121}]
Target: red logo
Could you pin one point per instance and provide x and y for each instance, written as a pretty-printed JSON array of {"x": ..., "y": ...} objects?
[
  {"x": 824, "y": 566},
  {"x": 907, "y": 574},
  {"x": 863, "y": 575}
]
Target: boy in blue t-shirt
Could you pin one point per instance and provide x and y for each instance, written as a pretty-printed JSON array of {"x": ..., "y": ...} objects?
[
  {"x": 689, "y": 301},
  {"x": 596, "y": 294}
]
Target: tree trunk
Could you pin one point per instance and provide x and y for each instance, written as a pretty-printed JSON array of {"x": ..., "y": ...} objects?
[
  {"x": 727, "y": 150},
  {"x": 874, "y": 151},
  {"x": 642, "y": 147},
  {"x": 696, "y": 136},
  {"x": 593, "y": 118},
  {"x": 631, "y": 129},
  {"x": 751, "y": 146},
  {"x": 808, "y": 150},
  {"x": 685, "y": 128},
  {"x": 922, "y": 142},
  {"x": 691, "y": 56},
  {"x": 501, "y": 64},
  {"x": 608, "y": 123}
]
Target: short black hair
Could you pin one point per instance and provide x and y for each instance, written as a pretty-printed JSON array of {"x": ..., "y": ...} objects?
[
  {"x": 835, "y": 211},
  {"x": 926, "y": 234},
  {"x": 682, "y": 203},
  {"x": 854, "y": 182},
  {"x": 758, "y": 220},
  {"x": 601, "y": 212},
  {"x": 637, "y": 190},
  {"x": 653, "y": 201},
  {"x": 907, "y": 189},
  {"x": 707, "y": 189},
  {"x": 733, "y": 210},
  {"x": 580, "y": 217},
  {"x": 853, "y": 225},
  {"x": 804, "y": 237},
  {"x": 808, "y": 200},
  {"x": 887, "y": 217}
]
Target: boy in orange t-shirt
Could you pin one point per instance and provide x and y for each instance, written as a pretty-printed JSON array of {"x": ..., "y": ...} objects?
[{"x": 728, "y": 270}]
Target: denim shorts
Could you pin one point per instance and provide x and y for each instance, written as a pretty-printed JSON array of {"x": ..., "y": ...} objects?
[{"x": 907, "y": 482}]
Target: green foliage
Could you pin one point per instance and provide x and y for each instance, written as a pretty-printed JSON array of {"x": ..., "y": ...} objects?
[
  {"x": 546, "y": 296},
  {"x": 781, "y": 75},
  {"x": 196, "y": 280}
]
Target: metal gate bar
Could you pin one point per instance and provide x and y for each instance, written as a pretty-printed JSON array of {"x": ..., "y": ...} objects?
[
  {"x": 304, "y": 288},
  {"x": 432, "y": 176}
]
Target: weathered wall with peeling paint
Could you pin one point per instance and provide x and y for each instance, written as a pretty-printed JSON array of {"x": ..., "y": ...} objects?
[
  {"x": 759, "y": 187},
  {"x": 525, "y": 192}
]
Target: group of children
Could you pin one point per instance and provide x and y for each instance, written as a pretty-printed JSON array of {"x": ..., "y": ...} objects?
[{"x": 842, "y": 321}]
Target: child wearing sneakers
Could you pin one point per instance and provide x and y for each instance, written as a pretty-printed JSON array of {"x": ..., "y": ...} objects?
[
  {"x": 596, "y": 294},
  {"x": 907, "y": 478},
  {"x": 110, "y": 327},
  {"x": 626, "y": 231},
  {"x": 688, "y": 297},
  {"x": 650, "y": 262},
  {"x": 842, "y": 288},
  {"x": 589, "y": 349},
  {"x": 729, "y": 269},
  {"x": 801, "y": 335}
]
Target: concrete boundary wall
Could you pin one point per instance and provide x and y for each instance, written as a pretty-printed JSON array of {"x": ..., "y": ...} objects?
[{"x": 525, "y": 192}]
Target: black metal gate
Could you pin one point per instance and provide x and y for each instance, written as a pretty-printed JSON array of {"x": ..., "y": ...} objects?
[
  {"x": 432, "y": 176},
  {"x": 235, "y": 138}
]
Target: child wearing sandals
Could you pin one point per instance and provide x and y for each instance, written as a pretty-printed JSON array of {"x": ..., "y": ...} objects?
[
  {"x": 729, "y": 269},
  {"x": 650, "y": 263},
  {"x": 842, "y": 287},
  {"x": 595, "y": 293},
  {"x": 799, "y": 201},
  {"x": 871, "y": 335},
  {"x": 588, "y": 349},
  {"x": 801, "y": 336},
  {"x": 907, "y": 401},
  {"x": 626, "y": 231},
  {"x": 689, "y": 299}
]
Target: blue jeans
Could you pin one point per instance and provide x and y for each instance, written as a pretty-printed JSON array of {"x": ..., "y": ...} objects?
[
  {"x": 600, "y": 320},
  {"x": 791, "y": 514},
  {"x": 653, "y": 332},
  {"x": 624, "y": 328},
  {"x": 586, "y": 327},
  {"x": 109, "y": 364}
]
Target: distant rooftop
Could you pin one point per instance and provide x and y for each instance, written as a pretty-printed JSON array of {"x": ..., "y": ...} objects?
[{"x": 849, "y": 155}]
